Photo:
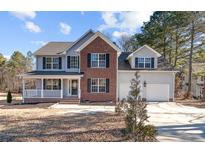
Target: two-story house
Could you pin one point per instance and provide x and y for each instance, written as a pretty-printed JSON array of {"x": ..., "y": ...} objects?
[
  {"x": 94, "y": 69},
  {"x": 84, "y": 70}
]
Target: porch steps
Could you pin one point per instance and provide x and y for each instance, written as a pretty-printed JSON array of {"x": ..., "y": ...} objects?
[{"x": 69, "y": 101}]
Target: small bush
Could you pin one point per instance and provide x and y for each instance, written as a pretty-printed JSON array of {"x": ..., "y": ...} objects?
[
  {"x": 120, "y": 107},
  {"x": 9, "y": 97},
  {"x": 145, "y": 133}
]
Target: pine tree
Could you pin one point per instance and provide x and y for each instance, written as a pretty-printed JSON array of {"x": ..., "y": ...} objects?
[{"x": 136, "y": 115}]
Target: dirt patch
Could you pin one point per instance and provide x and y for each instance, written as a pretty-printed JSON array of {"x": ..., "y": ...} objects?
[
  {"x": 192, "y": 102},
  {"x": 57, "y": 125}
]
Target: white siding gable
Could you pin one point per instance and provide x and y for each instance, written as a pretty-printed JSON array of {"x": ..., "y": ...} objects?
[{"x": 143, "y": 52}]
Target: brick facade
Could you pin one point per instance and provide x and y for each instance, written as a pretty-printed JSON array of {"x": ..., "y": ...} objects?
[{"x": 99, "y": 46}]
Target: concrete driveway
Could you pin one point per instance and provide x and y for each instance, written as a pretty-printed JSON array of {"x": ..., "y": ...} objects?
[{"x": 174, "y": 122}]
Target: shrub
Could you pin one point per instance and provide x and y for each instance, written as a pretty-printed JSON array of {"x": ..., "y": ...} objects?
[
  {"x": 120, "y": 107},
  {"x": 9, "y": 97}
]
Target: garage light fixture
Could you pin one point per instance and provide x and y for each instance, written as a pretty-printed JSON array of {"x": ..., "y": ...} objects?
[{"x": 145, "y": 83}]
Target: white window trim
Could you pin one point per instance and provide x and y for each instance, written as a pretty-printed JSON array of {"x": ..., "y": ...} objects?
[
  {"x": 52, "y": 63},
  {"x": 144, "y": 62},
  {"x": 98, "y": 85},
  {"x": 76, "y": 63},
  {"x": 98, "y": 61}
]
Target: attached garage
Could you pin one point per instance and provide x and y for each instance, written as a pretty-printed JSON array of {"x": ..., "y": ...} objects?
[
  {"x": 157, "y": 92},
  {"x": 159, "y": 85}
]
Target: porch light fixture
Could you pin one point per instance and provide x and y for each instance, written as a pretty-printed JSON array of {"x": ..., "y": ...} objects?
[{"x": 145, "y": 83}]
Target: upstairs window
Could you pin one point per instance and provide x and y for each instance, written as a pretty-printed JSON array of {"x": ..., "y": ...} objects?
[
  {"x": 55, "y": 63},
  {"x": 74, "y": 62},
  {"x": 48, "y": 63},
  {"x": 98, "y": 60},
  {"x": 141, "y": 62},
  {"x": 51, "y": 62},
  {"x": 147, "y": 62}
]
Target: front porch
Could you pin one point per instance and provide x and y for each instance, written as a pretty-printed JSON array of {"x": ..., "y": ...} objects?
[{"x": 51, "y": 88}]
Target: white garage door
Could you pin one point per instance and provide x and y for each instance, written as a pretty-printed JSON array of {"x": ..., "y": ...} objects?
[{"x": 157, "y": 92}]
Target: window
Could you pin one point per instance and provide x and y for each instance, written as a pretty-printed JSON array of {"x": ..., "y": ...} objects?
[
  {"x": 74, "y": 62},
  {"x": 48, "y": 63},
  {"x": 141, "y": 62},
  {"x": 98, "y": 60},
  {"x": 52, "y": 63},
  {"x": 55, "y": 63},
  {"x": 144, "y": 62},
  {"x": 52, "y": 84},
  {"x": 147, "y": 62},
  {"x": 98, "y": 85}
]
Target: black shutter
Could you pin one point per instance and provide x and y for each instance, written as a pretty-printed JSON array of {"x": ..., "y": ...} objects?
[
  {"x": 44, "y": 62},
  {"x": 88, "y": 59},
  {"x": 107, "y": 60},
  {"x": 78, "y": 62},
  {"x": 107, "y": 85},
  {"x": 68, "y": 61},
  {"x": 59, "y": 83},
  {"x": 60, "y": 62},
  {"x": 152, "y": 62},
  {"x": 44, "y": 84},
  {"x": 136, "y": 62},
  {"x": 89, "y": 85}
]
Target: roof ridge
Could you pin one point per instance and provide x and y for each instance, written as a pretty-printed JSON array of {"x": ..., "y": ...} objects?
[{"x": 60, "y": 42}]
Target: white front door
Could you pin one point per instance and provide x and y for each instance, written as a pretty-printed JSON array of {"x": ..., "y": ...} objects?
[{"x": 74, "y": 87}]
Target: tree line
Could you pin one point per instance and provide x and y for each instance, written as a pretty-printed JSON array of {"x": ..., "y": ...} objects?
[
  {"x": 12, "y": 68},
  {"x": 178, "y": 36}
]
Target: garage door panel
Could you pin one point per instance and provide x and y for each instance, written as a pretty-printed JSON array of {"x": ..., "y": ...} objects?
[{"x": 157, "y": 92}]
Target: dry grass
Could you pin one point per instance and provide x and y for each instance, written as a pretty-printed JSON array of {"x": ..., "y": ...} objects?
[
  {"x": 191, "y": 102},
  {"x": 41, "y": 124}
]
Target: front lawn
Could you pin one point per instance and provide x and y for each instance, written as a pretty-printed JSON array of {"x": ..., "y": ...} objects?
[{"x": 40, "y": 124}]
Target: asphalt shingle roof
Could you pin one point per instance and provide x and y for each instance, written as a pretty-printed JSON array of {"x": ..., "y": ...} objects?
[{"x": 53, "y": 48}]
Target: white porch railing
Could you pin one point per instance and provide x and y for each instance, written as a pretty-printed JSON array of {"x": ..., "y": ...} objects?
[
  {"x": 51, "y": 93},
  {"x": 35, "y": 93}
]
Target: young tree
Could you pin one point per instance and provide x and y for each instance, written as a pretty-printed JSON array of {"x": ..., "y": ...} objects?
[
  {"x": 136, "y": 115},
  {"x": 9, "y": 97}
]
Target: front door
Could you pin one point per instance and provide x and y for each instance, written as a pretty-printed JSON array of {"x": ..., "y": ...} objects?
[{"x": 74, "y": 87}]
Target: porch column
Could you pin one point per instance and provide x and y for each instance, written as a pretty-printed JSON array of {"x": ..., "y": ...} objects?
[
  {"x": 61, "y": 87},
  {"x": 79, "y": 91},
  {"x": 23, "y": 90},
  {"x": 41, "y": 87}
]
